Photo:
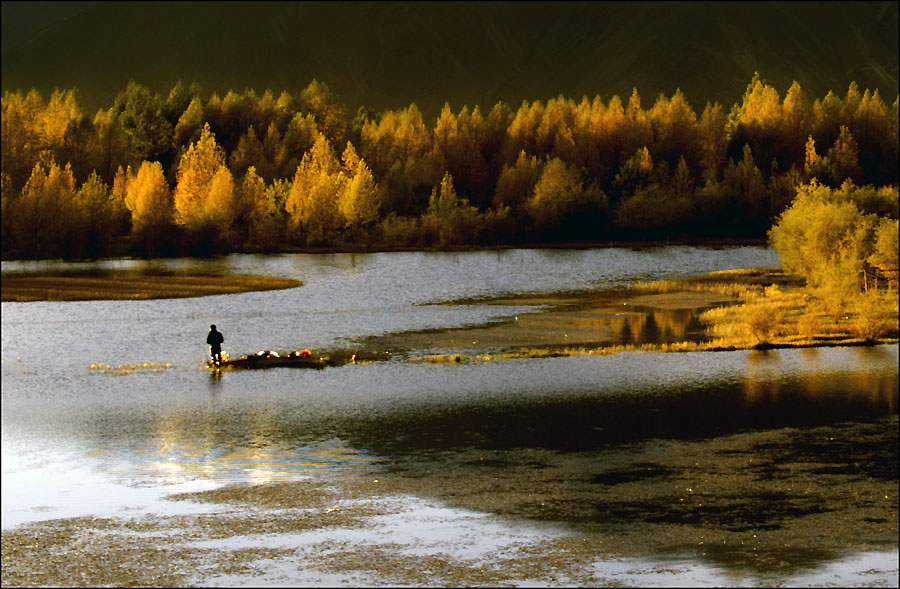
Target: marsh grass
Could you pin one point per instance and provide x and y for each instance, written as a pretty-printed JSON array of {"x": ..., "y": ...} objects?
[
  {"x": 131, "y": 285},
  {"x": 774, "y": 310},
  {"x": 563, "y": 352}
]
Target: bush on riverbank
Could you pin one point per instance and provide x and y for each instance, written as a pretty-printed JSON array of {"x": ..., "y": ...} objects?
[{"x": 830, "y": 237}]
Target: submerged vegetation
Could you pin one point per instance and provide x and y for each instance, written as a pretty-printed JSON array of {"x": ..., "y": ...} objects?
[{"x": 198, "y": 174}]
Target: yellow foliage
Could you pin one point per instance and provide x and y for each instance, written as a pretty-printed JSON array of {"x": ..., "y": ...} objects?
[
  {"x": 220, "y": 208},
  {"x": 359, "y": 201},
  {"x": 204, "y": 193},
  {"x": 312, "y": 202},
  {"x": 148, "y": 198}
]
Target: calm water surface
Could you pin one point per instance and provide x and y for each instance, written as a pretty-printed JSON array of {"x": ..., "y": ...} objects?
[{"x": 80, "y": 442}]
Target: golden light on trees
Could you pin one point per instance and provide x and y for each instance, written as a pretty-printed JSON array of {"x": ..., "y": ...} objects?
[
  {"x": 250, "y": 169},
  {"x": 359, "y": 201},
  {"x": 204, "y": 193},
  {"x": 312, "y": 203},
  {"x": 149, "y": 199}
]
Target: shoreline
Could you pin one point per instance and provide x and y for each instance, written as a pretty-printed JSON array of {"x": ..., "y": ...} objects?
[
  {"x": 749, "y": 309},
  {"x": 385, "y": 248},
  {"x": 727, "y": 303}
]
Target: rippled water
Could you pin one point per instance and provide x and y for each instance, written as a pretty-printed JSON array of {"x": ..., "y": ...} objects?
[{"x": 77, "y": 441}]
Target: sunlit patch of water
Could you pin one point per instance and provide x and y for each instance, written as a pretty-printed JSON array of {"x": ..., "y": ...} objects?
[{"x": 242, "y": 464}]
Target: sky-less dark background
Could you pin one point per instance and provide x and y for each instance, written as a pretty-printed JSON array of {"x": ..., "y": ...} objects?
[{"x": 389, "y": 54}]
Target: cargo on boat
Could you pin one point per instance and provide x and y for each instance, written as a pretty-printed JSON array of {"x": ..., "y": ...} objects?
[{"x": 268, "y": 359}]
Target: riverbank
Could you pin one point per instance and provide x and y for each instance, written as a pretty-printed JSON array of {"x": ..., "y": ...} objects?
[
  {"x": 758, "y": 308},
  {"x": 131, "y": 285},
  {"x": 358, "y": 248}
]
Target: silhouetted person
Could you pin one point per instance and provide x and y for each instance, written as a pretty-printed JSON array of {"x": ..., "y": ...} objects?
[{"x": 215, "y": 339}]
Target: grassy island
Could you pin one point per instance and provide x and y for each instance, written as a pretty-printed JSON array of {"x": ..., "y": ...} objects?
[
  {"x": 128, "y": 284},
  {"x": 757, "y": 308}
]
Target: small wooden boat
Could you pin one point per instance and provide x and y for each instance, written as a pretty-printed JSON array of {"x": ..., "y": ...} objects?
[{"x": 268, "y": 359}]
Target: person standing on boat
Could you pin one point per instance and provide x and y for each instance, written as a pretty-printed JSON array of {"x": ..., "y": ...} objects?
[{"x": 215, "y": 339}]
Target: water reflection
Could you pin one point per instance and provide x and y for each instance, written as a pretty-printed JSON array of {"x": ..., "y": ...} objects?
[
  {"x": 652, "y": 453},
  {"x": 215, "y": 380},
  {"x": 748, "y": 474},
  {"x": 650, "y": 325}
]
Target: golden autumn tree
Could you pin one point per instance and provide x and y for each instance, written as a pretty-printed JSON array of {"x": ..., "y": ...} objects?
[
  {"x": 682, "y": 181},
  {"x": 204, "y": 193},
  {"x": 249, "y": 152},
  {"x": 359, "y": 201},
  {"x": 189, "y": 124},
  {"x": 398, "y": 149},
  {"x": 61, "y": 110},
  {"x": 639, "y": 132},
  {"x": 675, "y": 132},
  {"x": 222, "y": 206},
  {"x": 460, "y": 146},
  {"x": 20, "y": 136},
  {"x": 796, "y": 124},
  {"x": 149, "y": 199},
  {"x": 45, "y": 216},
  {"x": 744, "y": 184},
  {"x": 844, "y": 156},
  {"x": 516, "y": 183},
  {"x": 312, "y": 205},
  {"x": 449, "y": 216},
  {"x": 810, "y": 156},
  {"x": 635, "y": 173},
  {"x": 558, "y": 188},
  {"x": 253, "y": 207},
  {"x": 713, "y": 142},
  {"x": 99, "y": 216},
  {"x": 756, "y": 121},
  {"x": 522, "y": 130},
  {"x": 330, "y": 114}
]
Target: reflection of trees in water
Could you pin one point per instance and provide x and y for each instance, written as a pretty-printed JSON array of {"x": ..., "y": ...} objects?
[
  {"x": 625, "y": 333},
  {"x": 650, "y": 330},
  {"x": 652, "y": 326},
  {"x": 849, "y": 393}
]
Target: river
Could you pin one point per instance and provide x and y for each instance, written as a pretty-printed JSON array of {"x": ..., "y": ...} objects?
[{"x": 724, "y": 468}]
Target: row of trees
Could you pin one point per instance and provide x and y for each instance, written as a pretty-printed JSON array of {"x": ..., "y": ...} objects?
[{"x": 244, "y": 171}]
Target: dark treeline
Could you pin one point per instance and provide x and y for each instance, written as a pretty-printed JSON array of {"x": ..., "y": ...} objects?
[{"x": 195, "y": 174}]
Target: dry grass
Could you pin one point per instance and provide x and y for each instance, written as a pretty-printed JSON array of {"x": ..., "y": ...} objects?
[
  {"x": 775, "y": 311},
  {"x": 127, "y": 285}
]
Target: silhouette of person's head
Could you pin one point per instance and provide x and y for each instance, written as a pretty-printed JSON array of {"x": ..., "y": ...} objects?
[{"x": 212, "y": 327}]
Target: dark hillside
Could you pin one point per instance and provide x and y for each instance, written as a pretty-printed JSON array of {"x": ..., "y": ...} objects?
[{"x": 386, "y": 55}]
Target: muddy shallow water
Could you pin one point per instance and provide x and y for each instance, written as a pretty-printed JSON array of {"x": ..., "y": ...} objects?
[{"x": 726, "y": 468}]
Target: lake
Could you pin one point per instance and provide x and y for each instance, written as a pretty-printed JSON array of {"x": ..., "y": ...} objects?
[{"x": 725, "y": 468}]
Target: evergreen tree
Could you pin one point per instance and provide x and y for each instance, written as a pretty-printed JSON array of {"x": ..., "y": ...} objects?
[{"x": 140, "y": 114}]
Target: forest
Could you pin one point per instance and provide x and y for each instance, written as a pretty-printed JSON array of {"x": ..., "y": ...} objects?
[{"x": 195, "y": 174}]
